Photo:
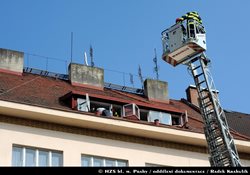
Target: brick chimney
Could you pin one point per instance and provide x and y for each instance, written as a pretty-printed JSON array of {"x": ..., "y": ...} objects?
[
  {"x": 11, "y": 61},
  {"x": 192, "y": 95},
  {"x": 82, "y": 75},
  {"x": 156, "y": 90}
]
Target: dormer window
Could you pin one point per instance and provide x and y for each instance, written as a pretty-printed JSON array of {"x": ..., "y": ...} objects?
[{"x": 109, "y": 108}]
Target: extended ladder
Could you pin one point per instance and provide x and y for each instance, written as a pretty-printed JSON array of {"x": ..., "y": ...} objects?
[{"x": 221, "y": 145}]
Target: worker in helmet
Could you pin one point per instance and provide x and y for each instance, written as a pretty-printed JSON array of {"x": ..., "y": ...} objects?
[
  {"x": 195, "y": 16},
  {"x": 190, "y": 15}
]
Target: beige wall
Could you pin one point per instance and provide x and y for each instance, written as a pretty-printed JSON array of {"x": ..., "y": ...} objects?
[{"x": 74, "y": 145}]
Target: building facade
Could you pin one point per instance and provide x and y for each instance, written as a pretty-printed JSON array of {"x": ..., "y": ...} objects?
[{"x": 51, "y": 119}]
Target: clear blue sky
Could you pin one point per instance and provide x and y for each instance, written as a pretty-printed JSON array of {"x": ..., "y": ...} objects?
[{"x": 124, "y": 33}]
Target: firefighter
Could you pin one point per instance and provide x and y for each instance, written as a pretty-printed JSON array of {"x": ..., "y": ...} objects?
[
  {"x": 190, "y": 15},
  {"x": 195, "y": 16}
]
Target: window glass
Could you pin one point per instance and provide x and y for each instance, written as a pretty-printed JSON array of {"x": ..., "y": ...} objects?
[
  {"x": 163, "y": 117},
  {"x": 98, "y": 162},
  {"x": 30, "y": 157},
  {"x": 17, "y": 155},
  {"x": 128, "y": 110},
  {"x": 176, "y": 120},
  {"x": 90, "y": 161},
  {"x": 22, "y": 156},
  {"x": 56, "y": 159},
  {"x": 121, "y": 163},
  {"x": 86, "y": 161},
  {"x": 166, "y": 118},
  {"x": 43, "y": 158},
  {"x": 110, "y": 163},
  {"x": 153, "y": 115},
  {"x": 131, "y": 109},
  {"x": 143, "y": 115}
]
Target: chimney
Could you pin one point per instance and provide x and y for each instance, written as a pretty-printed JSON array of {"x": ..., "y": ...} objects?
[
  {"x": 11, "y": 61},
  {"x": 192, "y": 95},
  {"x": 82, "y": 75},
  {"x": 156, "y": 90}
]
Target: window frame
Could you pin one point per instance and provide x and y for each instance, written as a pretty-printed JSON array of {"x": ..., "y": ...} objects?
[
  {"x": 36, "y": 156},
  {"x": 103, "y": 161},
  {"x": 160, "y": 116},
  {"x": 135, "y": 110}
]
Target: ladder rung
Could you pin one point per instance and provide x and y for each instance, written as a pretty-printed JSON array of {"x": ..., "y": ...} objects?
[
  {"x": 203, "y": 90},
  {"x": 198, "y": 75},
  {"x": 212, "y": 121},
  {"x": 212, "y": 130},
  {"x": 218, "y": 150},
  {"x": 203, "y": 98},
  {"x": 207, "y": 104},
  {"x": 214, "y": 136},
  {"x": 196, "y": 68},
  {"x": 209, "y": 112},
  {"x": 198, "y": 84}
]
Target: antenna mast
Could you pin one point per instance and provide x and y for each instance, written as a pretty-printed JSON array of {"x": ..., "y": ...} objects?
[
  {"x": 156, "y": 68},
  {"x": 71, "y": 54},
  {"x": 140, "y": 76},
  {"x": 91, "y": 56}
]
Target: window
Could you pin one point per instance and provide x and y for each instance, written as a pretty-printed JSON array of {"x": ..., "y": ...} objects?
[
  {"x": 27, "y": 156},
  {"x": 164, "y": 118},
  {"x": 144, "y": 115},
  {"x": 115, "y": 109},
  {"x": 131, "y": 109},
  {"x": 83, "y": 104},
  {"x": 95, "y": 161},
  {"x": 176, "y": 120}
]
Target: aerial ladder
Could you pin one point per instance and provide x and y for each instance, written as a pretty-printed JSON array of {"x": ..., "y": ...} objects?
[{"x": 185, "y": 43}]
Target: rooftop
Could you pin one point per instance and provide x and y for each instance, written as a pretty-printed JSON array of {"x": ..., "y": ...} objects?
[
  {"x": 83, "y": 91},
  {"x": 47, "y": 92}
]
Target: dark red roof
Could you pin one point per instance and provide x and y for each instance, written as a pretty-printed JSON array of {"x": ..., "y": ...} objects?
[
  {"x": 47, "y": 91},
  {"x": 238, "y": 121}
]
